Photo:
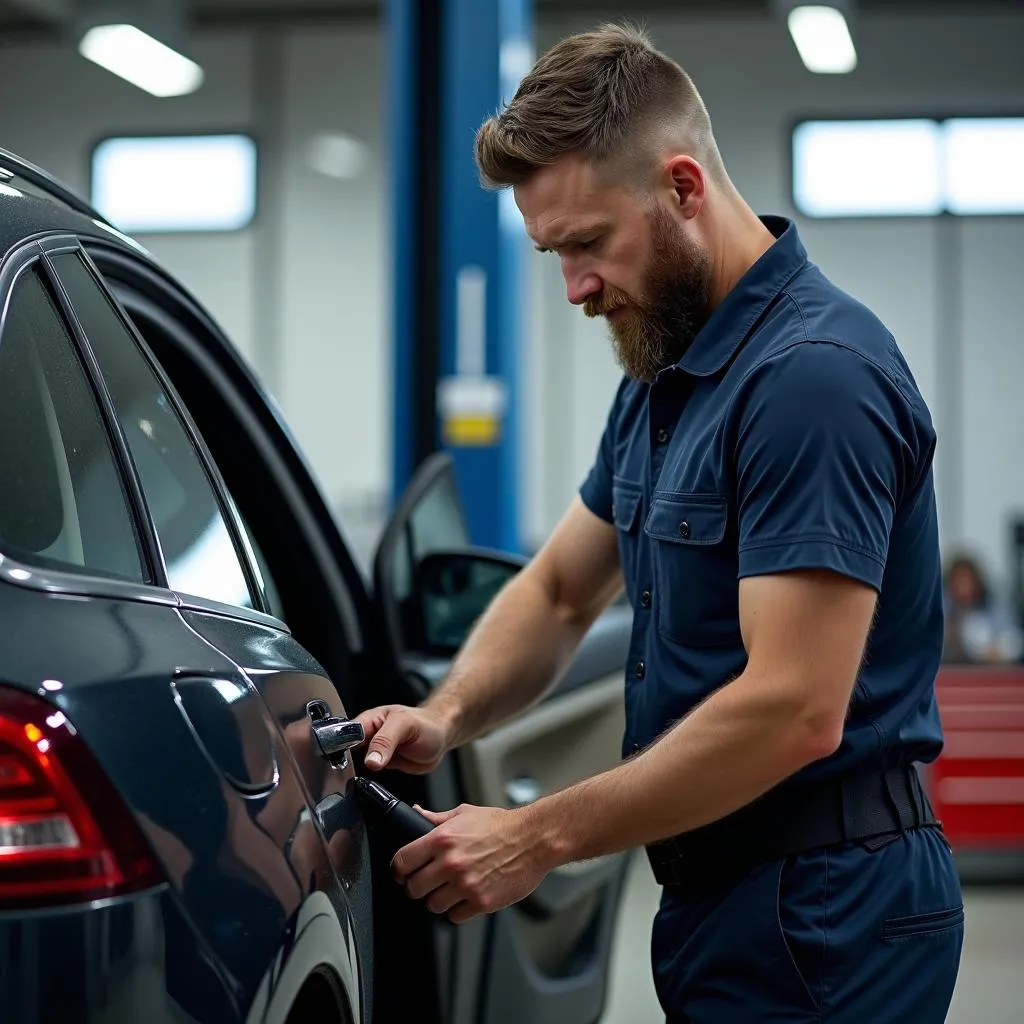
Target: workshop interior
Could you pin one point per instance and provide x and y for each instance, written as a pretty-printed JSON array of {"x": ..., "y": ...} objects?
[{"x": 288, "y": 396}]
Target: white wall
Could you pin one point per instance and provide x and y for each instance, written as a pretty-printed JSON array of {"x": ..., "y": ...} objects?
[
  {"x": 326, "y": 352},
  {"x": 334, "y": 310}
]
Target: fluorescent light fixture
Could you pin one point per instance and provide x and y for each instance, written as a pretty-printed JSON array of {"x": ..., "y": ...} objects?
[
  {"x": 822, "y": 39},
  {"x": 984, "y": 165},
  {"x": 178, "y": 183},
  {"x": 138, "y": 58},
  {"x": 867, "y": 168}
]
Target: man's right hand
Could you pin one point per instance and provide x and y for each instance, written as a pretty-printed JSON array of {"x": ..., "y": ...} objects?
[{"x": 406, "y": 738}]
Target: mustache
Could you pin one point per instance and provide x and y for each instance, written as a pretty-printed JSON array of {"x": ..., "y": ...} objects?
[{"x": 609, "y": 299}]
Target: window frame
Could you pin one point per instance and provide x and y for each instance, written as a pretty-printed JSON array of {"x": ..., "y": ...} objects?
[
  {"x": 259, "y": 610},
  {"x": 23, "y": 259}
]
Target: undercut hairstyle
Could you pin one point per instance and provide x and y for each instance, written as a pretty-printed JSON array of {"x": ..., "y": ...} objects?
[{"x": 607, "y": 96}]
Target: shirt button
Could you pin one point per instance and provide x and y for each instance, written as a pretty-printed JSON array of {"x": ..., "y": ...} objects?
[
  {"x": 684, "y": 529},
  {"x": 645, "y": 599},
  {"x": 641, "y": 670},
  {"x": 662, "y": 436}
]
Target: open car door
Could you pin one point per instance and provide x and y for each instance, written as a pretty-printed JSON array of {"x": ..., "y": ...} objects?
[{"x": 545, "y": 960}]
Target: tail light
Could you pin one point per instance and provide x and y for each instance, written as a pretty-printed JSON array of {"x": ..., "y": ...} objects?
[{"x": 66, "y": 835}]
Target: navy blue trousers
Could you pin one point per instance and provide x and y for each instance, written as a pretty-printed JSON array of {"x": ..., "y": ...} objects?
[{"x": 844, "y": 935}]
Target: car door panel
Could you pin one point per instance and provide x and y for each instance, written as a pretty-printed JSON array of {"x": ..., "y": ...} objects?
[
  {"x": 546, "y": 959},
  {"x": 287, "y": 679},
  {"x": 326, "y": 851}
]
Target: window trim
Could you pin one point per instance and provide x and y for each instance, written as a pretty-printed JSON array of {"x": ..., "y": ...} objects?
[
  {"x": 199, "y": 448},
  {"x": 152, "y": 556},
  {"x": 12, "y": 570}
]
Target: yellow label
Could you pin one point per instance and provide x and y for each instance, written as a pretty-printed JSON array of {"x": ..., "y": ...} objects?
[{"x": 469, "y": 431}]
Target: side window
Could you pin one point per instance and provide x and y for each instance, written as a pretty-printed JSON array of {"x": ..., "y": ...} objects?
[
  {"x": 62, "y": 504},
  {"x": 198, "y": 550}
]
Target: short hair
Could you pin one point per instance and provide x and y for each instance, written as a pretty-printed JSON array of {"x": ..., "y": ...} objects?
[{"x": 601, "y": 95}]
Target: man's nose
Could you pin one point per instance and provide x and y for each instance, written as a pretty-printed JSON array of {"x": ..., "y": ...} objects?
[{"x": 580, "y": 286}]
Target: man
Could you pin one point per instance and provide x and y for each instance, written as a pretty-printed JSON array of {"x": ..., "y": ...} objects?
[{"x": 764, "y": 488}]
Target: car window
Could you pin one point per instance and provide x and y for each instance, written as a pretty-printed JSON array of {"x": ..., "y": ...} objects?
[
  {"x": 63, "y": 505},
  {"x": 198, "y": 550}
]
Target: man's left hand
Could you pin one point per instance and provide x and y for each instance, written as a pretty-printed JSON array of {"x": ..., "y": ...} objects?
[{"x": 475, "y": 861}]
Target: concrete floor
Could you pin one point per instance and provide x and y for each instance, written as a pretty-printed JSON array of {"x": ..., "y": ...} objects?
[{"x": 990, "y": 988}]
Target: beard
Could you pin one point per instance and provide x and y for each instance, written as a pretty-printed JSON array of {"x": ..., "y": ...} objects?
[{"x": 655, "y": 329}]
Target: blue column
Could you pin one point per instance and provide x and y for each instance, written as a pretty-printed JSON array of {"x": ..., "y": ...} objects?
[
  {"x": 403, "y": 115},
  {"x": 486, "y": 48},
  {"x": 454, "y": 63}
]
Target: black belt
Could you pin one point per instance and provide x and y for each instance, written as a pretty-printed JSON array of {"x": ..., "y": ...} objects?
[{"x": 794, "y": 818}]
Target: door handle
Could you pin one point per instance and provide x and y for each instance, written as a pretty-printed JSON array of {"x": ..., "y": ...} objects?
[{"x": 334, "y": 736}]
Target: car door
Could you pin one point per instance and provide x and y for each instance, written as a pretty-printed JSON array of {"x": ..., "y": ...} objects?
[
  {"x": 295, "y": 826},
  {"x": 546, "y": 959}
]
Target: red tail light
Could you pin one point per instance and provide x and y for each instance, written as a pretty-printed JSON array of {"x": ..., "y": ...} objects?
[{"x": 65, "y": 833}]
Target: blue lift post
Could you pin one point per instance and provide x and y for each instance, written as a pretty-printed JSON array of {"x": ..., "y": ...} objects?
[{"x": 458, "y": 347}]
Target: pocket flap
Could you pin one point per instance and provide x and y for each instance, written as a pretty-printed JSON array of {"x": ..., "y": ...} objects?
[
  {"x": 625, "y": 501},
  {"x": 688, "y": 518}
]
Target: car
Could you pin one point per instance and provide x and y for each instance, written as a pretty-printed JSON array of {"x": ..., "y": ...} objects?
[{"x": 184, "y": 627}]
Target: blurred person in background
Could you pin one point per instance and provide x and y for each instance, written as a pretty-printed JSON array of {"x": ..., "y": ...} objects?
[{"x": 980, "y": 629}]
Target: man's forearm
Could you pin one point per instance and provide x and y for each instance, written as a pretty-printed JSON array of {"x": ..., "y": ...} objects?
[
  {"x": 516, "y": 651},
  {"x": 744, "y": 739}
]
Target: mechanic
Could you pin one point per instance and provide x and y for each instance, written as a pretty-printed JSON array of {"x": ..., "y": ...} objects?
[{"x": 764, "y": 489}]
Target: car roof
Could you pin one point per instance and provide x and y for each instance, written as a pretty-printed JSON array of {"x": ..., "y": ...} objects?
[{"x": 33, "y": 202}]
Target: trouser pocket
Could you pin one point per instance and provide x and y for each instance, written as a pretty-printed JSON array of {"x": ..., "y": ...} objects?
[{"x": 931, "y": 923}]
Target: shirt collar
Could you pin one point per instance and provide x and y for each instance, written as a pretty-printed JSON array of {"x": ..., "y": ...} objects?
[{"x": 731, "y": 322}]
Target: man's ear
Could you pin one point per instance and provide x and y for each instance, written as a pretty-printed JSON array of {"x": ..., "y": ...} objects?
[{"x": 687, "y": 181}]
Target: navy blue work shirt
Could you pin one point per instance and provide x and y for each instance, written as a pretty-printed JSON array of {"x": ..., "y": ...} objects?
[{"x": 791, "y": 435}]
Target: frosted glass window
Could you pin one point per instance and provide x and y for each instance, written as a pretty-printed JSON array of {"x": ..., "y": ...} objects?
[{"x": 178, "y": 183}]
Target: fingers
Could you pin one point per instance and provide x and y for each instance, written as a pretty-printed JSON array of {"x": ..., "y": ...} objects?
[
  {"x": 442, "y": 900},
  {"x": 392, "y": 731},
  {"x": 417, "y": 857},
  {"x": 437, "y": 817},
  {"x": 371, "y": 720}
]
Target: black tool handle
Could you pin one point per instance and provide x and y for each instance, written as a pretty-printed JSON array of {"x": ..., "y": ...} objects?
[{"x": 403, "y": 824}]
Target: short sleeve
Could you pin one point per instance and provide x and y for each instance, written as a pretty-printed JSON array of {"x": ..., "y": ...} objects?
[
  {"x": 596, "y": 491},
  {"x": 824, "y": 443}
]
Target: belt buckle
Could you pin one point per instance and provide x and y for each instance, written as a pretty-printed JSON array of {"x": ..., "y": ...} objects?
[{"x": 670, "y": 864}]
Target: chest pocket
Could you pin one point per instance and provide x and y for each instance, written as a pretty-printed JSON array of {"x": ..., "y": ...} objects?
[
  {"x": 695, "y": 566},
  {"x": 626, "y": 500}
]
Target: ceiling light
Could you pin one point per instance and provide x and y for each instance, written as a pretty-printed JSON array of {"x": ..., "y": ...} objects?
[
  {"x": 138, "y": 58},
  {"x": 822, "y": 39}
]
